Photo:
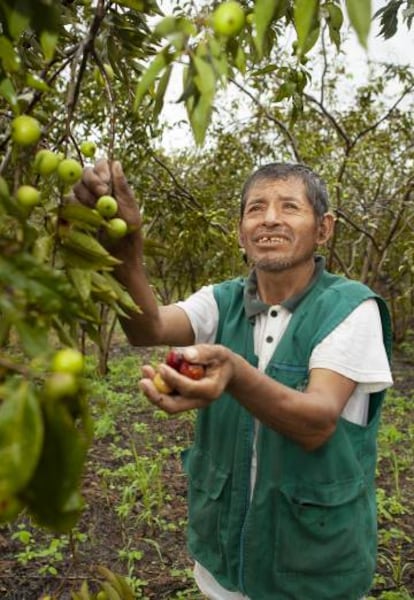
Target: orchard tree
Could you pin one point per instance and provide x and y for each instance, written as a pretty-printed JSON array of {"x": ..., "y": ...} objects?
[{"x": 79, "y": 77}]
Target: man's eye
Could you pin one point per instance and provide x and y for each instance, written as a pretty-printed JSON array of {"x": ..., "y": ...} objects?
[{"x": 291, "y": 206}]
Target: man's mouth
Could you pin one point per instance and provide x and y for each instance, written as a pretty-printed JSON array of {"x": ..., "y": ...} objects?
[{"x": 271, "y": 240}]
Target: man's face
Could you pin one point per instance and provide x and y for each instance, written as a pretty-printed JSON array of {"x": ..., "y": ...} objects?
[{"x": 279, "y": 228}]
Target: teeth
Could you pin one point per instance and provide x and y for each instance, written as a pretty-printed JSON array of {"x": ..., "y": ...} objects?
[{"x": 272, "y": 240}]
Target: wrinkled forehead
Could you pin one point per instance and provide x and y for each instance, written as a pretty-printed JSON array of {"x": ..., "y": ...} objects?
[{"x": 283, "y": 187}]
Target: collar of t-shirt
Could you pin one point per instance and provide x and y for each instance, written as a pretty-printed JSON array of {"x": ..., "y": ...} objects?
[{"x": 253, "y": 305}]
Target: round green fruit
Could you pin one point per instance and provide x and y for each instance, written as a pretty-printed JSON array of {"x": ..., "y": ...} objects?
[
  {"x": 107, "y": 206},
  {"x": 69, "y": 170},
  {"x": 28, "y": 196},
  {"x": 116, "y": 228},
  {"x": 228, "y": 19},
  {"x": 25, "y": 130},
  {"x": 46, "y": 162},
  {"x": 58, "y": 385},
  {"x": 68, "y": 360},
  {"x": 88, "y": 148}
]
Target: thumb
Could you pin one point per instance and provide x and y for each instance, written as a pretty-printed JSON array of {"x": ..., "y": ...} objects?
[{"x": 120, "y": 185}]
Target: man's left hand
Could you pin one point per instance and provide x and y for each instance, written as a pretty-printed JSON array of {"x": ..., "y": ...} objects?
[{"x": 188, "y": 394}]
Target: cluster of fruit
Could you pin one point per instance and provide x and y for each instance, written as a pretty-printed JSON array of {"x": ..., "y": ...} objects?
[
  {"x": 26, "y": 132},
  {"x": 176, "y": 361},
  {"x": 67, "y": 366}
]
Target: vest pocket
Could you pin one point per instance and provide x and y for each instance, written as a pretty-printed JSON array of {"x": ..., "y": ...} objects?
[
  {"x": 207, "y": 526},
  {"x": 324, "y": 529}
]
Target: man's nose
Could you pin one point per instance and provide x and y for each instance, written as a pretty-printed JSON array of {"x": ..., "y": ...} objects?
[{"x": 272, "y": 215}]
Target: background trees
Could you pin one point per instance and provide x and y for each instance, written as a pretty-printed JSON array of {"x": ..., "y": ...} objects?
[{"x": 100, "y": 70}]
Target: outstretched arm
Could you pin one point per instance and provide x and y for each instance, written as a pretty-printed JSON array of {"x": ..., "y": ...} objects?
[
  {"x": 154, "y": 325},
  {"x": 307, "y": 417}
]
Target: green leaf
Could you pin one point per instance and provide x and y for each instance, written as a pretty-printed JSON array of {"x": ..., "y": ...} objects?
[
  {"x": 48, "y": 42},
  {"x": 53, "y": 495},
  {"x": 199, "y": 113},
  {"x": 33, "y": 338},
  {"x": 82, "y": 215},
  {"x": 205, "y": 79},
  {"x": 8, "y": 55},
  {"x": 137, "y": 5},
  {"x": 304, "y": 14},
  {"x": 21, "y": 436},
  {"x": 37, "y": 83},
  {"x": 161, "y": 89},
  {"x": 149, "y": 76},
  {"x": 262, "y": 17},
  {"x": 82, "y": 280},
  {"x": 17, "y": 21},
  {"x": 8, "y": 92},
  {"x": 359, "y": 13}
]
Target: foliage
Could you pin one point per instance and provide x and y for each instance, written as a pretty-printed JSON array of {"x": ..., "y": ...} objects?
[
  {"x": 100, "y": 70},
  {"x": 136, "y": 519}
]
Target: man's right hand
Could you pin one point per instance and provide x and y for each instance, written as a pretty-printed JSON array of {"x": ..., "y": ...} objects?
[{"x": 108, "y": 178}]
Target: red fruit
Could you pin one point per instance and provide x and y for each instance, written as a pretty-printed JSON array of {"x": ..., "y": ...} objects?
[
  {"x": 191, "y": 370},
  {"x": 174, "y": 359}
]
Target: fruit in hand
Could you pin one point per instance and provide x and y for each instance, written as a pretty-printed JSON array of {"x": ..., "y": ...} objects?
[
  {"x": 88, "y": 148},
  {"x": 28, "y": 196},
  {"x": 69, "y": 170},
  {"x": 174, "y": 359},
  {"x": 25, "y": 130},
  {"x": 191, "y": 370},
  {"x": 46, "y": 162},
  {"x": 161, "y": 385},
  {"x": 107, "y": 206},
  {"x": 116, "y": 228},
  {"x": 68, "y": 360},
  {"x": 228, "y": 19}
]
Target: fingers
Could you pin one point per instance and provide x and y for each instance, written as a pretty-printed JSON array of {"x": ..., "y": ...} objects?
[
  {"x": 121, "y": 189},
  {"x": 171, "y": 404},
  {"x": 94, "y": 183}
]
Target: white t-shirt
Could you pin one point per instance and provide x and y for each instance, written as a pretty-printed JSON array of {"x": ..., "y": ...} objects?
[{"x": 354, "y": 349}]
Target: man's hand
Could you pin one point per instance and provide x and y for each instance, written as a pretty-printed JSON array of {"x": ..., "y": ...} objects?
[
  {"x": 188, "y": 393},
  {"x": 105, "y": 178}
]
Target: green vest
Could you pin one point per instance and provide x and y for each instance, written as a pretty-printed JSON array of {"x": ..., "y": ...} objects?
[{"x": 309, "y": 531}]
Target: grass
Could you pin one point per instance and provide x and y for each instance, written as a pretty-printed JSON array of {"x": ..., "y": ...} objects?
[{"x": 135, "y": 513}]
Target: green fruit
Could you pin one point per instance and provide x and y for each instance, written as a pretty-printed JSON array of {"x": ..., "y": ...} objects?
[
  {"x": 116, "y": 228},
  {"x": 58, "y": 385},
  {"x": 28, "y": 196},
  {"x": 228, "y": 19},
  {"x": 25, "y": 130},
  {"x": 68, "y": 360},
  {"x": 46, "y": 162},
  {"x": 88, "y": 148},
  {"x": 69, "y": 170},
  {"x": 107, "y": 206}
]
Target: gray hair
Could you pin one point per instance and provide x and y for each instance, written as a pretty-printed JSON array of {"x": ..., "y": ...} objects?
[{"x": 315, "y": 187}]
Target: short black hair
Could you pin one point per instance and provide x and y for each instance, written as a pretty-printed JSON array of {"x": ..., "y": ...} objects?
[{"x": 315, "y": 186}]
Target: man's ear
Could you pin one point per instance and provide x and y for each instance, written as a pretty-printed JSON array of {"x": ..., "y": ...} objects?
[{"x": 326, "y": 228}]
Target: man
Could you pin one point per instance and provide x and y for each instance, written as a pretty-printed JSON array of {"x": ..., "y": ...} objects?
[{"x": 281, "y": 473}]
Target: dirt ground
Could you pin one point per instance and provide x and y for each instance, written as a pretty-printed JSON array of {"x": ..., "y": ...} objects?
[{"x": 163, "y": 568}]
